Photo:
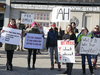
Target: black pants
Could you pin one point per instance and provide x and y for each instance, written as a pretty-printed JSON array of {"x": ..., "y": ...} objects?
[
  {"x": 9, "y": 57},
  {"x": 69, "y": 68},
  {"x": 29, "y": 56}
]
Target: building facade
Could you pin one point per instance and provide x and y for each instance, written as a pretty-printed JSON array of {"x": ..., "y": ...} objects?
[
  {"x": 2, "y": 13},
  {"x": 83, "y": 12}
]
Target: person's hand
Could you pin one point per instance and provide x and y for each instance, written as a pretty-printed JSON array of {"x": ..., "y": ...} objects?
[
  {"x": 27, "y": 26},
  {"x": 67, "y": 40},
  {"x": 2, "y": 31}
]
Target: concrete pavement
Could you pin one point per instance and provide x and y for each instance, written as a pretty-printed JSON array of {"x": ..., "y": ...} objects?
[{"x": 42, "y": 65}]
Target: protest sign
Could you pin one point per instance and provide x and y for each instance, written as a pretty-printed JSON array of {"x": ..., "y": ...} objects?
[
  {"x": 46, "y": 30},
  {"x": 90, "y": 46},
  {"x": 11, "y": 36},
  {"x": 33, "y": 41},
  {"x": 27, "y": 18},
  {"x": 66, "y": 51},
  {"x": 61, "y": 14}
]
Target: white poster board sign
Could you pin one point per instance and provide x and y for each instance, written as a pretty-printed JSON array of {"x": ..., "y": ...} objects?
[
  {"x": 66, "y": 51},
  {"x": 11, "y": 36},
  {"x": 90, "y": 46},
  {"x": 27, "y": 18},
  {"x": 46, "y": 30},
  {"x": 33, "y": 41},
  {"x": 61, "y": 14}
]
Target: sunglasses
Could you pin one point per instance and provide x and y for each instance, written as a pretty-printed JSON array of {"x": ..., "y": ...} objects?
[
  {"x": 83, "y": 30},
  {"x": 97, "y": 28}
]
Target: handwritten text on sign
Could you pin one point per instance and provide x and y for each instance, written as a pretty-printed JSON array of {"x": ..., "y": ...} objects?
[
  {"x": 61, "y": 14},
  {"x": 27, "y": 18},
  {"x": 33, "y": 41},
  {"x": 89, "y": 46},
  {"x": 11, "y": 36},
  {"x": 66, "y": 51}
]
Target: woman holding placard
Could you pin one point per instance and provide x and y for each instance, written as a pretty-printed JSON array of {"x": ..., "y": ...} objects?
[
  {"x": 95, "y": 33},
  {"x": 69, "y": 35},
  {"x": 9, "y": 47},
  {"x": 86, "y": 33},
  {"x": 34, "y": 30}
]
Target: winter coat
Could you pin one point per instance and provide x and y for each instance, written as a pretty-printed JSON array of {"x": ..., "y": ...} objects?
[
  {"x": 81, "y": 35},
  {"x": 95, "y": 34},
  {"x": 10, "y": 46},
  {"x": 75, "y": 30},
  {"x": 71, "y": 37},
  {"x": 52, "y": 38}
]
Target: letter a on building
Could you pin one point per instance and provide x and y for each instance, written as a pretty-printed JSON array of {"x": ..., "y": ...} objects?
[{"x": 61, "y": 14}]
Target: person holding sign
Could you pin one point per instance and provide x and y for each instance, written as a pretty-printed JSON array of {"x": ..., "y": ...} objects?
[
  {"x": 86, "y": 33},
  {"x": 95, "y": 33},
  {"x": 52, "y": 44},
  {"x": 69, "y": 35},
  {"x": 34, "y": 30},
  {"x": 9, "y": 47}
]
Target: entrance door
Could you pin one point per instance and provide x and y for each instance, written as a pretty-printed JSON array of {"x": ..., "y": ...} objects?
[
  {"x": 1, "y": 20},
  {"x": 91, "y": 19}
]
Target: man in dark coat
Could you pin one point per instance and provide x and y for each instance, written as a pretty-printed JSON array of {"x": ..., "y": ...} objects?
[{"x": 21, "y": 27}]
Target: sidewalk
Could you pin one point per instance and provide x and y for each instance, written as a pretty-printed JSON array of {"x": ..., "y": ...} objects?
[{"x": 42, "y": 65}]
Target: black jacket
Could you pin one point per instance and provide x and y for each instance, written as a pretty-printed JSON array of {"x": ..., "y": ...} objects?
[
  {"x": 52, "y": 38},
  {"x": 76, "y": 30},
  {"x": 95, "y": 34},
  {"x": 71, "y": 37}
]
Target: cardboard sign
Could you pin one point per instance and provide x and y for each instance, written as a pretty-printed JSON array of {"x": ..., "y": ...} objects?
[
  {"x": 46, "y": 30},
  {"x": 61, "y": 14},
  {"x": 33, "y": 41},
  {"x": 11, "y": 36},
  {"x": 66, "y": 51},
  {"x": 27, "y": 18},
  {"x": 90, "y": 46}
]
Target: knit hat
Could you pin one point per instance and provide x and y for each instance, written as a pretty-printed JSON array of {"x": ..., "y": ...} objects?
[
  {"x": 19, "y": 19},
  {"x": 33, "y": 24}
]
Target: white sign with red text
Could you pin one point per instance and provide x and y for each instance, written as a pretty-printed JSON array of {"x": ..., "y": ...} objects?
[
  {"x": 66, "y": 51},
  {"x": 11, "y": 36},
  {"x": 90, "y": 46},
  {"x": 33, "y": 41},
  {"x": 46, "y": 30}
]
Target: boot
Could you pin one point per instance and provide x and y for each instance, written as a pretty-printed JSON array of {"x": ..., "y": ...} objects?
[
  {"x": 7, "y": 68},
  {"x": 83, "y": 68},
  {"x": 65, "y": 72},
  {"x": 33, "y": 67},
  {"x": 59, "y": 67},
  {"x": 91, "y": 70},
  {"x": 52, "y": 67},
  {"x": 29, "y": 67},
  {"x": 10, "y": 68}
]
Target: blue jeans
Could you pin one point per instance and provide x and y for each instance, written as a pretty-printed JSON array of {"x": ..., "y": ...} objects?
[
  {"x": 88, "y": 58},
  {"x": 56, "y": 54},
  {"x": 94, "y": 56}
]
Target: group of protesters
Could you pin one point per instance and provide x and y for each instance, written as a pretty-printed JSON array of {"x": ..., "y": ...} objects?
[{"x": 54, "y": 34}]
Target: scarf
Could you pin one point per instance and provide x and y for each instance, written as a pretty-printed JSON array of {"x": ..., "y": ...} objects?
[
  {"x": 96, "y": 32},
  {"x": 12, "y": 26}
]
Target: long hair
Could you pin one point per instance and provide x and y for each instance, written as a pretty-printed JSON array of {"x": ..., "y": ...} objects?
[
  {"x": 12, "y": 20},
  {"x": 71, "y": 31}
]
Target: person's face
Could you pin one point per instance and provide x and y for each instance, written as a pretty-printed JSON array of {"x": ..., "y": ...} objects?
[
  {"x": 73, "y": 25},
  {"x": 12, "y": 22},
  {"x": 84, "y": 31},
  {"x": 68, "y": 29},
  {"x": 96, "y": 29},
  {"x": 34, "y": 25},
  {"x": 53, "y": 27},
  {"x": 19, "y": 21}
]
